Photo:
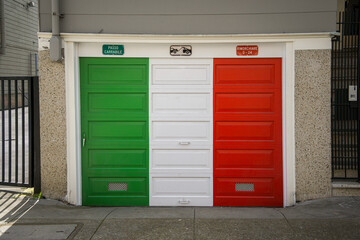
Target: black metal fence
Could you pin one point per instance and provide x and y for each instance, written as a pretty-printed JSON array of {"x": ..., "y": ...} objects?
[
  {"x": 345, "y": 112},
  {"x": 20, "y": 132}
]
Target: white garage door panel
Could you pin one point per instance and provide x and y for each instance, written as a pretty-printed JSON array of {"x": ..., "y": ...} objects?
[
  {"x": 180, "y": 74},
  {"x": 180, "y": 118},
  {"x": 181, "y": 103},
  {"x": 181, "y": 159},
  {"x": 181, "y": 131},
  {"x": 181, "y": 201},
  {"x": 181, "y": 187}
]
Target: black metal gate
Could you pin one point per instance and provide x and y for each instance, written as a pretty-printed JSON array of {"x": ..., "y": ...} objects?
[
  {"x": 344, "y": 97},
  {"x": 20, "y": 132}
]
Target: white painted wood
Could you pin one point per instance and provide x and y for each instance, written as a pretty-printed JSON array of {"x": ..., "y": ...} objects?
[
  {"x": 171, "y": 133},
  {"x": 146, "y": 39},
  {"x": 181, "y": 191},
  {"x": 180, "y": 74},
  {"x": 173, "y": 159},
  {"x": 180, "y": 101},
  {"x": 288, "y": 114},
  {"x": 161, "y": 50},
  {"x": 164, "y": 103},
  {"x": 309, "y": 44},
  {"x": 73, "y": 125}
]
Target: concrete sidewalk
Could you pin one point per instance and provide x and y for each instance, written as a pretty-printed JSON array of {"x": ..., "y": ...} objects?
[{"x": 26, "y": 218}]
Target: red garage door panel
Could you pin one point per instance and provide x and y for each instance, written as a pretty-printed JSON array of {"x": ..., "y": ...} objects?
[
  {"x": 245, "y": 102},
  {"x": 244, "y": 131},
  {"x": 247, "y": 132},
  {"x": 245, "y": 186},
  {"x": 244, "y": 74},
  {"x": 244, "y": 159}
]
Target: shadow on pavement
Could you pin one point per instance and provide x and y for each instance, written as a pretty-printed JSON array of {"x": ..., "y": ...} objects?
[{"x": 14, "y": 206}]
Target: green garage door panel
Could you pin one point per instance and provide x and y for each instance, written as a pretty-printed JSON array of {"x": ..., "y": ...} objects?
[{"x": 114, "y": 123}]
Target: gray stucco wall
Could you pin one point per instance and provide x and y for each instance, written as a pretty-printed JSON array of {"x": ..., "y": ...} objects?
[
  {"x": 53, "y": 127},
  {"x": 21, "y": 42},
  {"x": 312, "y": 124},
  {"x": 192, "y": 17}
]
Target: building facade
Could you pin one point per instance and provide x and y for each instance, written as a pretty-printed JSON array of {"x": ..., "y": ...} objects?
[
  {"x": 191, "y": 103},
  {"x": 19, "y": 25}
]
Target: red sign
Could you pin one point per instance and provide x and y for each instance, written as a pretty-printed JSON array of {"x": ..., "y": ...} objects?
[{"x": 247, "y": 50}]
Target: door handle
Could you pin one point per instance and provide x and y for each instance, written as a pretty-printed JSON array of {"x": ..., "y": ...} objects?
[
  {"x": 83, "y": 140},
  {"x": 184, "y": 143},
  {"x": 183, "y": 201}
]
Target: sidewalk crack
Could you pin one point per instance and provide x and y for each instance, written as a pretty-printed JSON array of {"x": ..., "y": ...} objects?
[
  {"x": 101, "y": 223},
  {"x": 287, "y": 221}
]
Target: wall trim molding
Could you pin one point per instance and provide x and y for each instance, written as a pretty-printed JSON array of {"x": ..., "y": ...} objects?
[{"x": 152, "y": 38}]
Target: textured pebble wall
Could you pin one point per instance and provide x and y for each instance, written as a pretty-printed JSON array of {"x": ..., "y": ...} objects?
[
  {"x": 336, "y": 192},
  {"x": 52, "y": 127},
  {"x": 312, "y": 124}
]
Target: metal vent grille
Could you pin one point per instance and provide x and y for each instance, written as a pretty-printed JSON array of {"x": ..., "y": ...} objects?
[
  {"x": 117, "y": 187},
  {"x": 244, "y": 187}
]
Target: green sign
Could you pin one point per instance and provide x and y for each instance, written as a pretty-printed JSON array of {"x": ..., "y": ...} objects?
[{"x": 113, "y": 49}]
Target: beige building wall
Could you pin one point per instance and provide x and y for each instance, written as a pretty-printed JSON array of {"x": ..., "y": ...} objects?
[
  {"x": 312, "y": 124},
  {"x": 53, "y": 127},
  {"x": 337, "y": 192}
]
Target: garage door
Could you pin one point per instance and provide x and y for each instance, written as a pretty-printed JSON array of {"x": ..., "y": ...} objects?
[
  {"x": 114, "y": 131},
  {"x": 247, "y": 132},
  {"x": 181, "y": 132}
]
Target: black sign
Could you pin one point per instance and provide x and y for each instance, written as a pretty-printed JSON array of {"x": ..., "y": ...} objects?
[{"x": 180, "y": 50}]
